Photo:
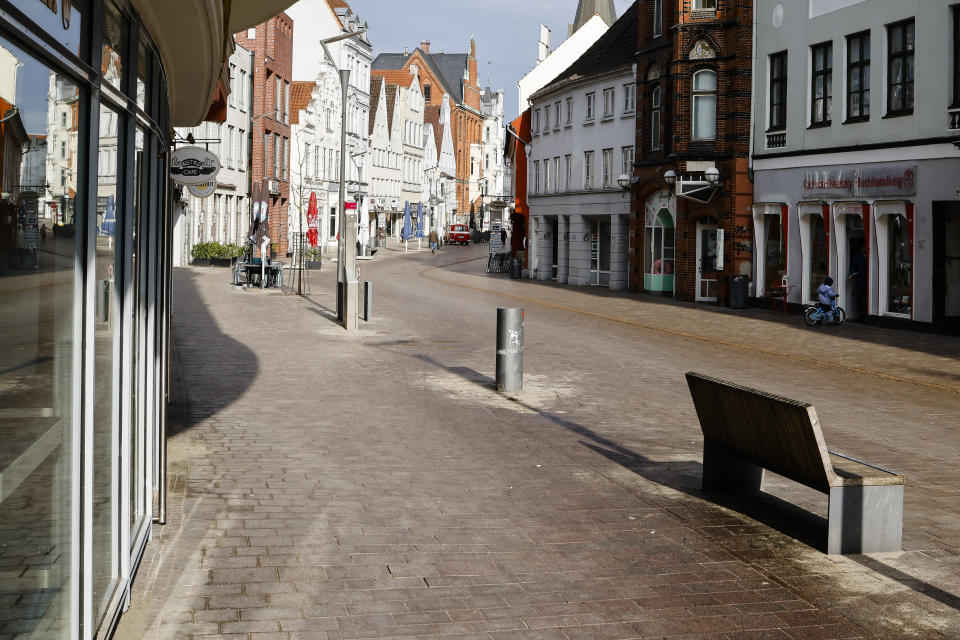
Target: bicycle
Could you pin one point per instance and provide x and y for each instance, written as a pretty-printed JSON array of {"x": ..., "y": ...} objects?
[{"x": 814, "y": 315}]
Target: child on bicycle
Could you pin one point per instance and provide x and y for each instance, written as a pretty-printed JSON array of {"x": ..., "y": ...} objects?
[{"x": 827, "y": 295}]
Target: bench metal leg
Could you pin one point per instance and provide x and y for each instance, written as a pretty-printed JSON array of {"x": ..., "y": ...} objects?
[
  {"x": 865, "y": 519},
  {"x": 724, "y": 470}
]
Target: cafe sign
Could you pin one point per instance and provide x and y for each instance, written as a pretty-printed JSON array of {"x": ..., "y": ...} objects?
[
  {"x": 193, "y": 165},
  {"x": 895, "y": 180}
]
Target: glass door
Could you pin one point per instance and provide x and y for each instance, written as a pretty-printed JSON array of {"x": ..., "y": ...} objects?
[
  {"x": 600, "y": 252},
  {"x": 660, "y": 254},
  {"x": 707, "y": 254}
]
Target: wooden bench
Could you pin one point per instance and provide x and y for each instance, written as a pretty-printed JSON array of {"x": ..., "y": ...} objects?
[{"x": 746, "y": 431}]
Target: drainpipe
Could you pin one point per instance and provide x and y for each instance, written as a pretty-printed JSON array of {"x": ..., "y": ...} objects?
[{"x": 753, "y": 92}]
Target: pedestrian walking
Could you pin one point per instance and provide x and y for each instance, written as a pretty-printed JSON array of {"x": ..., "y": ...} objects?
[
  {"x": 503, "y": 238},
  {"x": 434, "y": 241}
]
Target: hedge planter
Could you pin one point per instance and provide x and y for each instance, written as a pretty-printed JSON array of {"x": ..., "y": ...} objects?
[
  {"x": 221, "y": 262},
  {"x": 314, "y": 265},
  {"x": 201, "y": 262}
]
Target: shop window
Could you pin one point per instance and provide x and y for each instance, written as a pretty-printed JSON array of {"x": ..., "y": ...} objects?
[
  {"x": 819, "y": 260},
  {"x": 900, "y": 47},
  {"x": 858, "y": 76},
  {"x": 38, "y": 270},
  {"x": 778, "y": 91},
  {"x": 821, "y": 90},
  {"x": 659, "y": 263},
  {"x": 899, "y": 295},
  {"x": 775, "y": 258},
  {"x": 704, "y": 105}
]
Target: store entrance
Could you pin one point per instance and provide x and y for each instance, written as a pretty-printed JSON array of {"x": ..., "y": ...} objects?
[
  {"x": 852, "y": 298},
  {"x": 600, "y": 252},
  {"x": 709, "y": 260},
  {"x": 946, "y": 264}
]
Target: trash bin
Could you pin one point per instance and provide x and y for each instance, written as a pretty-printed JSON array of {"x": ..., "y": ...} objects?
[
  {"x": 516, "y": 269},
  {"x": 738, "y": 291}
]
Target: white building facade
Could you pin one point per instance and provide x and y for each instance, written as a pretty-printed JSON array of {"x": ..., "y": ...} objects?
[
  {"x": 411, "y": 114},
  {"x": 492, "y": 141},
  {"x": 224, "y": 215},
  {"x": 316, "y": 20},
  {"x": 386, "y": 159},
  {"x": 855, "y": 135}
]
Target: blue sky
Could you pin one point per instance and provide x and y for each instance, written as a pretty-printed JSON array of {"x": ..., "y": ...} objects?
[{"x": 506, "y": 32}]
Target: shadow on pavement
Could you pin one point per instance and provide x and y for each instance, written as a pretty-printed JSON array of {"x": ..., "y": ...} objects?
[
  {"x": 219, "y": 380},
  {"x": 879, "y": 331},
  {"x": 927, "y": 589}
]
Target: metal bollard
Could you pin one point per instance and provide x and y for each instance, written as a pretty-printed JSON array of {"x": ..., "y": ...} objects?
[
  {"x": 509, "y": 349},
  {"x": 367, "y": 300}
]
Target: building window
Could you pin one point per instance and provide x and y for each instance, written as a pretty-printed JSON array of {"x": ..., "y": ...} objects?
[
  {"x": 626, "y": 153},
  {"x": 710, "y": 5},
  {"x": 900, "y": 68},
  {"x": 546, "y": 118},
  {"x": 629, "y": 98},
  {"x": 568, "y": 172},
  {"x": 821, "y": 90},
  {"x": 333, "y": 223},
  {"x": 591, "y": 99},
  {"x": 778, "y": 91},
  {"x": 858, "y": 76},
  {"x": 608, "y": 103},
  {"x": 556, "y": 173},
  {"x": 569, "y": 110},
  {"x": 536, "y": 121},
  {"x": 546, "y": 175},
  {"x": 657, "y": 17},
  {"x": 705, "y": 105},
  {"x": 956, "y": 56},
  {"x": 536, "y": 176},
  {"x": 588, "y": 169},
  {"x": 426, "y": 93},
  {"x": 607, "y": 168},
  {"x": 556, "y": 114},
  {"x": 655, "y": 119}
]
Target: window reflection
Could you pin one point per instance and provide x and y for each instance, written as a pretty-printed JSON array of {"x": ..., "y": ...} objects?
[
  {"x": 63, "y": 19},
  {"x": 38, "y": 152},
  {"x": 105, "y": 490},
  {"x": 113, "y": 46}
]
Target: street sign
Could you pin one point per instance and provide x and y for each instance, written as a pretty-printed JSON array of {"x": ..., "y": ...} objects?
[{"x": 350, "y": 206}]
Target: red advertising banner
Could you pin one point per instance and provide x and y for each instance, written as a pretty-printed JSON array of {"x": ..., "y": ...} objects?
[
  {"x": 350, "y": 206},
  {"x": 313, "y": 220}
]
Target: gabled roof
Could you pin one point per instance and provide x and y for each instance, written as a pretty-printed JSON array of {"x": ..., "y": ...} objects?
[
  {"x": 375, "y": 84},
  {"x": 392, "y": 91},
  {"x": 614, "y": 49},
  {"x": 300, "y": 93},
  {"x": 447, "y": 67},
  {"x": 432, "y": 115}
]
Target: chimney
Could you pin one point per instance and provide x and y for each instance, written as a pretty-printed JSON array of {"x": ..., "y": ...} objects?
[
  {"x": 425, "y": 45},
  {"x": 406, "y": 51}
]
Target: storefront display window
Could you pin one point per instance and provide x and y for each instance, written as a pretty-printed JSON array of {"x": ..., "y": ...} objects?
[
  {"x": 819, "y": 253},
  {"x": 40, "y": 344},
  {"x": 900, "y": 266},
  {"x": 660, "y": 254},
  {"x": 776, "y": 259}
]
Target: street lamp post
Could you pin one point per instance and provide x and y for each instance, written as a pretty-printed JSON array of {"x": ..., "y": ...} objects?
[{"x": 347, "y": 285}]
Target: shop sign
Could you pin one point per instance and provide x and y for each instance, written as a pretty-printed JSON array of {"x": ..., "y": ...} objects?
[
  {"x": 350, "y": 206},
  {"x": 895, "y": 180},
  {"x": 193, "y": 165},
  {"x": 203, "y": 190}
]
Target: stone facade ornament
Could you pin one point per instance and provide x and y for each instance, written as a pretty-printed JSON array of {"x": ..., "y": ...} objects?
[
  {"x": 654, "y": 72},
  {"x": 702, "y": 51}
]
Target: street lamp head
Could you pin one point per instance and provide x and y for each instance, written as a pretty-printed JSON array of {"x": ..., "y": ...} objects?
[
  {"x": 624, "y": 181},
  {"x": 712, "y": 175},
  {"x": 670, "y": 177}
]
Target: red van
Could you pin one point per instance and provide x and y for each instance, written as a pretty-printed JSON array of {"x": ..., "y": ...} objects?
[{"x": 458, "y": 234}]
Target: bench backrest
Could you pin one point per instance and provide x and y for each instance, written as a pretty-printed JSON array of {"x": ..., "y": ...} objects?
[{"x": 773, "y": 432}]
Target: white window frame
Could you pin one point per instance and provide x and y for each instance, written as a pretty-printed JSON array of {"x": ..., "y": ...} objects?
[
  {"x": 655, "y": 115},
  {"x": 702, "y": 94},
  {"x": 606, "y": 166},
  {"x": 591, "y": 106},
  {"x": 629, "y": 98},
  {"x": 609, "y": 102},
  {"x": 588, "y": 170}
]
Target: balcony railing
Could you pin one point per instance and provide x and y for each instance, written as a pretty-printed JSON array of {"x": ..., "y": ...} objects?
[{"x": 776, "y": 140}]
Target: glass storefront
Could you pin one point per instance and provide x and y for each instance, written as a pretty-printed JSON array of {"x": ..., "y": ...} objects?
[
  {"x": 899, "y": 266},
  {"x": 81, "y": 285},
  {"x": 659, "y": 261},
  {"x": 776, "y": 257},
  {"x": 819, "y": 264}
]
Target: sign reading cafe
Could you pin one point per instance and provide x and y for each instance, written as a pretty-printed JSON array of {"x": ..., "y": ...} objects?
[
  {"x": 193, "y": 165},
  {"x": 876, "y": 182}
]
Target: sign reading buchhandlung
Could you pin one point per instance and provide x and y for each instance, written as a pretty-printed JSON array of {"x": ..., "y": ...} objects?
[{"x": 894, "y": 180}]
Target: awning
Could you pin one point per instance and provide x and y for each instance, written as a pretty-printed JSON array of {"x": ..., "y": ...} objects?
[{"x": 192, "y": 38}]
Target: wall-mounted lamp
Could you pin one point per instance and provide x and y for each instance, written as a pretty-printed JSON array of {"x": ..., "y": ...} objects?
[
  {"x": 626, "y": 182},
  {"x": 670, "y": 177},
  {"x": 699, "y": 188}
]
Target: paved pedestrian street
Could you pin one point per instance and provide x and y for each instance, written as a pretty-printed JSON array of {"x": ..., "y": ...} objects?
[{"x": 332, "y": 485}]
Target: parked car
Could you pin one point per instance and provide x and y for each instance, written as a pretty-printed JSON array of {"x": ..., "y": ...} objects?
[{"x": 458, "y": 234}]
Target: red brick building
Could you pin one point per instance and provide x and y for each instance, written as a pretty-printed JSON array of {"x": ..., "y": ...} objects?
[
  {"x": 453, "y": 75},
  {"x": 693, "y": 119},
  {"x": 272, "y": 44}
]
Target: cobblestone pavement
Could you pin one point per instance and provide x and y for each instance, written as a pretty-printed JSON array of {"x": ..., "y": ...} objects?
[{"x": 332, "y": 485}]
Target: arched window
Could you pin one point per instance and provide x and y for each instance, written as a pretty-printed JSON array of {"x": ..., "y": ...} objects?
[
  {"x": 655, "y": 119},
  {"x": 705, "y": 105}
]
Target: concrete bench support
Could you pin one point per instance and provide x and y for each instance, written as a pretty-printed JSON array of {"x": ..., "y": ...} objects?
[{"x": 866, "y": 519}]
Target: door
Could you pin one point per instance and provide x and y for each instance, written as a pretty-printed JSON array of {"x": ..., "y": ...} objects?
[
  {"x": 600, "y": 253},
  {"x": 707, "y": 252},
  {"x": 946, "y": 264}
]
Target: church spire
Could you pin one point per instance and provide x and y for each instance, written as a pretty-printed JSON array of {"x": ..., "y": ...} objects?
[{"x": 586, "y": 9}]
